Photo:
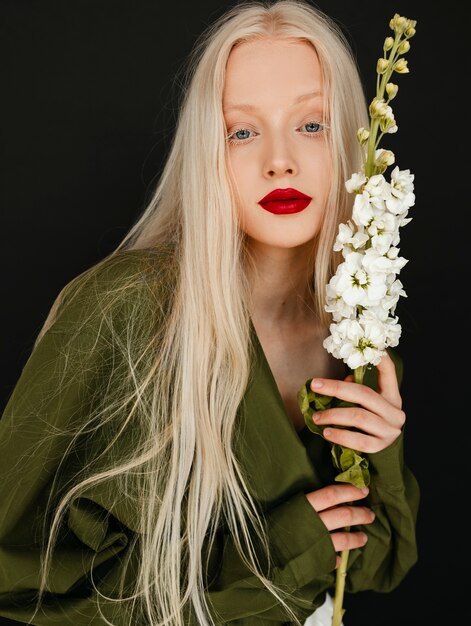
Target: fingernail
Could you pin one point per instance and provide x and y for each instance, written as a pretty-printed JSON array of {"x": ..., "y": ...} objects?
[
  {"x": 364, "y": 490},
  {"x": 316, "y": 417},
  {"x": 316, "y": 383},
  {"x": 327, "y": 432}
]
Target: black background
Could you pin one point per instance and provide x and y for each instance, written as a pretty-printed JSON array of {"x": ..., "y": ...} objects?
[{"x": 88, "y": 105}]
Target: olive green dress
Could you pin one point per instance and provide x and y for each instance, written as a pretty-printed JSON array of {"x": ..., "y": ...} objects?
[{"x": 67, "y": 373}]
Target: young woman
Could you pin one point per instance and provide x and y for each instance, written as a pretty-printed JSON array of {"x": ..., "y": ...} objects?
[{"x": 155, "y": 466}]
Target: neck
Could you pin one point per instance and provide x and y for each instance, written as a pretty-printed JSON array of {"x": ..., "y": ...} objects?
[{"x": 279, "y": 285}]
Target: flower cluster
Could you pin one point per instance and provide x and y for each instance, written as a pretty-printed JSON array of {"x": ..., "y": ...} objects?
[{"x": 363, "y": 293}]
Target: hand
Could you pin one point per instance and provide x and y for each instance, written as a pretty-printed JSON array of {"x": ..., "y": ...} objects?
[
  {"x": 334, "y": 508},
  {"x": 379, "y": 416}
]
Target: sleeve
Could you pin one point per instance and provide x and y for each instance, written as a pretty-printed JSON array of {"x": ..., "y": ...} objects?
[
  {"x": 51, "y": 396},
  {"x": 304, "y": 561},
  {"x": 391, "y": 550},
  {"x": 65, "y": 378}
]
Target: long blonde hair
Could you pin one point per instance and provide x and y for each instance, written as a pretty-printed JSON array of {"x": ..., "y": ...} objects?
[{"x": 180, "y": 386}]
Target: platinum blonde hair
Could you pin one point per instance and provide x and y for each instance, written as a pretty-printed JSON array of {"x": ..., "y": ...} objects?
[{"x": 180, "y": 383}]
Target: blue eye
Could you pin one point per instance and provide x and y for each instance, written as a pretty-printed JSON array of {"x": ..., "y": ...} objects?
[
  {"x": 243, "y": 131},
  {"x": 313, "y": 127},
  {"x": 239, "y": 136}
]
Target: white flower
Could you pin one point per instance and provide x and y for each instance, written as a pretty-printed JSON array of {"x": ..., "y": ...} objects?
[
  {"x": 395, "y": 291},
  {"x": 402, "y": 196},
  {"x": 355, "y": 183},
  {"x": 357, "y": 286},
  {"x": 366, "y": 208},
  {"x": 337, "y": 306},
  {"x": 347, "y": 236},
  {"x": 402, "y": 182},
  {"x": 377, "y": 185},
  {"x": 358, "y": 342},
  {"x": 387, "y": 307},
  {"x": 393, "y": 331},
  {"x": 374, "y": 261},
  {"x": 384, "y": 231}
]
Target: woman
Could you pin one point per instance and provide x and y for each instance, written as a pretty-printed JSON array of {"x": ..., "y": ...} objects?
[{"x": 156, "y": 468}]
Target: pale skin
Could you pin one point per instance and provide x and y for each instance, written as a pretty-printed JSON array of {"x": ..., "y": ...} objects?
[{"x": 272, "y": 101}]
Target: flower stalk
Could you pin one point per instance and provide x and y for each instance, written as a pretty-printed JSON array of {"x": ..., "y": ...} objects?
[
  {"x": 362, "y": 294},
  {"x": 340, "y": 579}
]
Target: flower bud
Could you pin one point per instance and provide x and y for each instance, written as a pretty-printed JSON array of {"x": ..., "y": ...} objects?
[
  {"x": 383, "y": 158},
  {"x": 401, "y": 66},
  {"x": 392, "y": 23},
  {"x": 386, "y": 156},
  {"x": 362, "y": 136},
  {"x": 391, "y": 90},
  {"x": 388, "y": 43},
  {"x": 403, "y": 47},
  {"x": 410, "y": 28},
  {"x": 387, "y": 123},
  {"x": 399, "y": 24},
  {"x": 378, "y": 108},
  {"x": 382, "y": 66}
]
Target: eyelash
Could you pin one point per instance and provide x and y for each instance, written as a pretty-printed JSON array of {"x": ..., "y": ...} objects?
[{"x": 322, "y": 128}]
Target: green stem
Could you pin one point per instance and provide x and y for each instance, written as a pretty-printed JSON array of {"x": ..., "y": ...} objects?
[
  {"x": 340, "y": 588},
  {"x": 374, "y": 124},
  {"x": 341, "y": 575},
  {"x": 358, "y": 374}
]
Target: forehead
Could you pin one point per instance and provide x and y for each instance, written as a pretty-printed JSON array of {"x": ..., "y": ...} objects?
[{"x": 259, "y": 72}]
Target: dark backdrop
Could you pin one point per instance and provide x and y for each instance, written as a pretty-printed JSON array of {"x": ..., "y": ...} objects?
[{"x": 88, "y": 107}]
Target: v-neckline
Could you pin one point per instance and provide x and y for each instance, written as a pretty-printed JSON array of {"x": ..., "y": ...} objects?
[{"x": 266, "y": 365}]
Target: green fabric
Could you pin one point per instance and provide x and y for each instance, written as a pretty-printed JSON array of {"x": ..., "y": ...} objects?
[{"x": 280, "y": 464}]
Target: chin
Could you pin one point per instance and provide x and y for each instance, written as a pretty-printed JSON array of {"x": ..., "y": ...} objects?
[{"x": 282, "y": 242}]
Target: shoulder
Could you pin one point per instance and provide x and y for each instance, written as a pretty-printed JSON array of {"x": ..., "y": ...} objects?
[
  {"x": 148, "y": 267},
  {"x": 123, "y": 286}
]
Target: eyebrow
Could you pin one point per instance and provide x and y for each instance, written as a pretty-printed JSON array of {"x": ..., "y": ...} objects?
[{"x": 232, "y": 106}]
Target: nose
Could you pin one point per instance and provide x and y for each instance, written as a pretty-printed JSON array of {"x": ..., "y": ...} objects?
[{"x": 279, "y": 158}]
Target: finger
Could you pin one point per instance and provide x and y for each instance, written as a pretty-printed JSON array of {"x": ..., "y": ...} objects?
[
  {"x": 354, "y": 417},
  {"x": 333, "y": 495},
  {"x": 388, "y": 385},
  {"x": 348, "y": 540},
  {"x": 359, "y": 441},
  {"x": 359, "y": 419},
  {"x": 346, "y": 516},
  {"x": 360, "y": 394}
]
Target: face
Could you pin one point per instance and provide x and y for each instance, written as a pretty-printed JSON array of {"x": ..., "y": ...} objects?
[{"x": 273, "y": 110}]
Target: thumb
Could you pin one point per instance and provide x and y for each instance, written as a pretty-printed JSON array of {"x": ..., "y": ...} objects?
[{"x": 388, "y": 385}]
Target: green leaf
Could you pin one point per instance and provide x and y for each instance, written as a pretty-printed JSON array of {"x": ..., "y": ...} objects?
[{"x": 353, "y": 468}]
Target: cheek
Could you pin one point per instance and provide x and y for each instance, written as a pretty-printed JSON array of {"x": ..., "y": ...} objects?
[
  {"x": 241, "y": 172},
  {"x": 320, "y": 164}
]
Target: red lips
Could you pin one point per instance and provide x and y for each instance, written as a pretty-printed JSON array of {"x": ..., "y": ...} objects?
[{"x": 284, "y": 201}]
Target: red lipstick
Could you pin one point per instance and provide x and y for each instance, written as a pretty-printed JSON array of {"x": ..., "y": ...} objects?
[{"x": 285, "y": 201}]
